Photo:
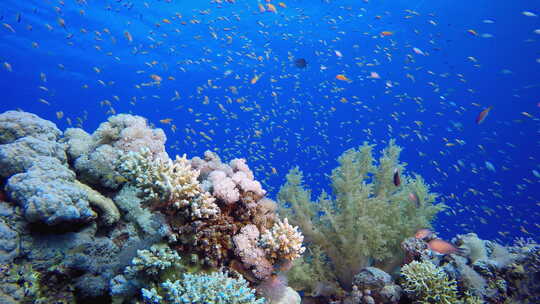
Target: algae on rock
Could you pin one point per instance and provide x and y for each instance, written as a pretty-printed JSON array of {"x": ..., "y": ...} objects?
[{"x": 367, "y": 217}]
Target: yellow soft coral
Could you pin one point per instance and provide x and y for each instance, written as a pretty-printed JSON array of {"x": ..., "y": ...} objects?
[{"x": 368, "y": 216}]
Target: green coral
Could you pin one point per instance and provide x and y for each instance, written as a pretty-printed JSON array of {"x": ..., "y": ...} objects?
[
  {"x": 426, "y": 283},
  {"x": 368, "y": 216}
]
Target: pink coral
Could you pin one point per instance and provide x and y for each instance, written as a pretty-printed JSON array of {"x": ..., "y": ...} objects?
[
  {"x": 251, "y": 254},
  {"x": 224, "y": 187}
]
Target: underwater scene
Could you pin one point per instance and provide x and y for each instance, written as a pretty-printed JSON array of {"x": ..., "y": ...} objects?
[{"x": 267, "y": 151}]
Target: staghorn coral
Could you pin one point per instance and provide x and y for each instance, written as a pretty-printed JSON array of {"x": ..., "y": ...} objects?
[
  {"x": 215, "y": 288},
  {"x": 368, "y": 217},
  {"x": 426, "y": 283},
  {"x": 283, "y": 241}
]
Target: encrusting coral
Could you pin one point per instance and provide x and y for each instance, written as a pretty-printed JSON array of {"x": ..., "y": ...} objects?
[{"x": 368, "y": 217}]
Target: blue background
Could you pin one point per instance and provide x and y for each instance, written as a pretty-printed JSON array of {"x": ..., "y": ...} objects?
[{"x": 297, "y": 117}]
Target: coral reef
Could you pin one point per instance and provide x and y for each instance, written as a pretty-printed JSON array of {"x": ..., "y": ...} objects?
[
  {"x": 95, "y": 156},
  {"x": 425, "y": 283},
  {"x": 213, "y": 288},
  {"x": 48, "y": 195},
  {"x": 369, "y": 216},
  {"x": 109, "y": 200}
]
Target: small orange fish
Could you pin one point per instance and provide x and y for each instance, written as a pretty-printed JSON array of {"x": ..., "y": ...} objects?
[
  {"x": 423, "y": 233},
  {"x": 386, "y": 33},
  {"x": 282, "y": 4},
  {"x": 482, "y": 116},
  {"x": 413, "y": 198},
  {"x": 255, "y": 79},
  {"x": 261, "y": 8},
  {"x": 342, "y": 77},
  {"x": 128, "y": 36},
  {"x": 166, "y": 121},
  {"x": 165, "y": 20},
  {"x": 374, "y": 75},
  {"x": 271, "y": 8},
  {"x": 8, "y": 27},
  {"x": 156, "y": 78},
  {"x": 442, "y": 247},
  {"x": 62, "y": 22},
  {"x": 472, "y": 32}
]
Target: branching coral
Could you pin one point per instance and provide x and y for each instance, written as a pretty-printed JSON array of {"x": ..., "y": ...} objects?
[
  {"x": 426, "y": 283},
  {"x": 369, "y": 215},
  {"x": 283, "y": 241},
  {"x": 172, "y": 182},
  {"x": 215, "y": 288}
]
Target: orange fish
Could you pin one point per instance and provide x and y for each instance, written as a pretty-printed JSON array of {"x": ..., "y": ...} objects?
[
  {"x": 165, "y": 20},
  {"x": 61, "y": 22},
  {"x": 261, "y": 8},
  {"x": 128, "y": 36},
  {"x": 255, "y": 79},
  {"x": 442, "y": 247},
  {"x": 156, "y": 78},
  {"x": 386, "y": 33},
  {"x": 342, "y": 77},
  {"x": 423, "y": 233},
  {"x": 472, "y": 32},
  {"x": 282, "y": 4},
  {"x": 271, "y": 8},
  {"x": 482, "y": 116},
  {"x": 413, "y": 197},
  {"x": 166, "y": 121}
]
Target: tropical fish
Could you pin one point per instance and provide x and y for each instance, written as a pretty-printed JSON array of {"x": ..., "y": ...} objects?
[
  {"x": 128, "y": 36},
  {"x": 300, "y": 63},
  {"x": 397, "y": 179},
  {"x": 271, "y": 8},
  {"x": 386, "y": 33},
  {"x": 442, "y": 246},
  {"x": 423, "y": 233},
  {"x": 255, "y": 79},
  {"x": 156, "y": 78},
  {"x": 413, "y": 197},
  {"x": 472, "y": 32},
  {"x": 342, "y": 77},
  {"x": 482, "y": 116},
  {"x": 166, "y": 120},
  {"x": 9, "y": 27},
  {"x": 8, "y": 67}
]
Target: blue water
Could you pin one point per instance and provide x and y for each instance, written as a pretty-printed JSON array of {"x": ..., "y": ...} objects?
[{"x": 297, "y": 117}]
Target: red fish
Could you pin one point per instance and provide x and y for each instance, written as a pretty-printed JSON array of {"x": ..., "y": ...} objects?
[
  {"x": 442, "y": 247},
  {"x": 397, "y": 179},
  {"x": 413, "y": 198},
  {"x": 423, "y": 233},
  {"x": 480, "y": 118}
]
